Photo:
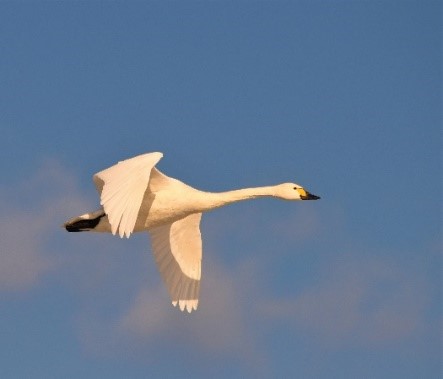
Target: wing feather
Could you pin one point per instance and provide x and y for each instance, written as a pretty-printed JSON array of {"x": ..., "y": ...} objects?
[
  {"x": 121, "y": 189},
  {"x": 177, "y": 250}
]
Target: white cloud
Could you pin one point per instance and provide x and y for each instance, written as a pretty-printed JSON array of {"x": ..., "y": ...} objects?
[
  {"x": 33, "y": 247},
  {"x": 21, "y": 261},
  {"x": 31, "y": 212},
  {"x": 359, "y": 301},
  {"x": 219, "y": 328}
]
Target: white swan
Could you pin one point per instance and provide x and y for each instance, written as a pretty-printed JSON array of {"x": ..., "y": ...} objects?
[{"x": 136, "y": 197}]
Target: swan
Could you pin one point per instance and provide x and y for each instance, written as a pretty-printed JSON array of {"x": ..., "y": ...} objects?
[{"x": 135, "y": 196}]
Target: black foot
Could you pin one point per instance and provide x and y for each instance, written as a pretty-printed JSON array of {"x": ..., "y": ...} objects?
[{"x": 83, "y": 224}]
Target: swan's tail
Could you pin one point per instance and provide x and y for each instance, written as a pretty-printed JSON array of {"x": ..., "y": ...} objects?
[{"x": 88, "y": 221}]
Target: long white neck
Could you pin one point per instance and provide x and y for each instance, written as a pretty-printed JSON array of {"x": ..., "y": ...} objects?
[{"x": 219, "y": 199}]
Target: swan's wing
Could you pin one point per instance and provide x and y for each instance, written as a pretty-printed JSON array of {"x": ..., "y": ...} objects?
[
  {"x": 121, "y": 189},
  {"x": 159, "y": 181},
  {"x": 177, "y": 249}
]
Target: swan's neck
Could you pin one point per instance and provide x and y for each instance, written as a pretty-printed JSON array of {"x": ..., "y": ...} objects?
[{"x": 219, "y": 199}]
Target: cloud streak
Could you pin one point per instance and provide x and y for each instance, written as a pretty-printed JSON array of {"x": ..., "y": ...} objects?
[
  {"x": 358, "y": 299},
  {"x": 28, "y": 221},
  {"x": 365, "y": 302},
  {"x": 221, "y": 327}
]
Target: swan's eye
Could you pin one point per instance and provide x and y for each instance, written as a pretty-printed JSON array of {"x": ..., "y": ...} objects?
[{"x": 295, "y": 188}]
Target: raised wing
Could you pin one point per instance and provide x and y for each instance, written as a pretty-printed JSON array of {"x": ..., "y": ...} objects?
[
  {"x": 121, "y": 189},
  {"x": 177, "y": 249},
  {"x": 159, "y": 181}
]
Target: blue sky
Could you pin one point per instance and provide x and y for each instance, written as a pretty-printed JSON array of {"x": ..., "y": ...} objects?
[{"x": 343, "y": 97}]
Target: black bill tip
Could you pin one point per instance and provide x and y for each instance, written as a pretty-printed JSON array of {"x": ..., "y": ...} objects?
[{"x": 310, "y": 196}]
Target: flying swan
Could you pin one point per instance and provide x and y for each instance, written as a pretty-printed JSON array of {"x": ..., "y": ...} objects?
[{"x": 135, "y": 196}]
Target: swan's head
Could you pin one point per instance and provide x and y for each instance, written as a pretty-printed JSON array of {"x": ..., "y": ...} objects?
[{"x": 292, "y": 191}]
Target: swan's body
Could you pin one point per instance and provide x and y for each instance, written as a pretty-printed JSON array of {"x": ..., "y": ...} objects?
[{"x": 137, "y": 197}]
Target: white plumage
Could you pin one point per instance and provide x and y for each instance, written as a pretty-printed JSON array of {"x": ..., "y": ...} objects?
[{"x": 135, "y": 196}]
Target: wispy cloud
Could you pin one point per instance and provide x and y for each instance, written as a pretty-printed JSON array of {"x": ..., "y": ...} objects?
[
  {"x": 220, "y": 328},
  {"x": 358, "y": 299},
  {"x": 102, "y": 274},
  {"x": 21, "y": 261},
  {"x": 31, "y": 212},
  {"x": 364, "y": 302}
]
